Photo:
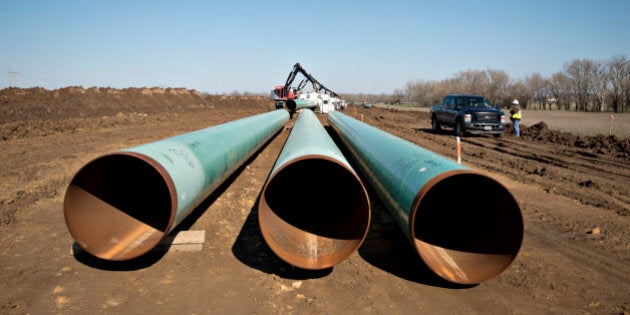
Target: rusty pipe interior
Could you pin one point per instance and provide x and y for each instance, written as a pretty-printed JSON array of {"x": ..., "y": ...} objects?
[
  {"x": 314, "y": 212},
  {"x": 120, "y": 206},
  {"x": 466, "y": 226}
]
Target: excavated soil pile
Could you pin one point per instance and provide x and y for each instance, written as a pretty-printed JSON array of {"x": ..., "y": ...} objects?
[
  {"x": 39, "y": 112},
  {"x": 599, "y": 144}
]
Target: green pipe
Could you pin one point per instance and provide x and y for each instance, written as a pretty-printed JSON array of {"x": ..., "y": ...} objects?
[
  {"x": 314, "y": 212},
  {"x": 465, "y": 226},
  {"x": 296, "y": 104},
  {"x": 119, "y": 206}
]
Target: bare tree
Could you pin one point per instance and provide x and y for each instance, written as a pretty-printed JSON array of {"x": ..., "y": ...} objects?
[
  {"x": 432, "y": 93},
  {"x": 440, "y": 89},
  {"x": 397, "y": 96},
  {"x": 583, "y": 84},
  {"x": 472, "y": 81},
  {"x": 419, "y": 91},
  {"x": 619, "y": 71},
  {"x": 520, "y": 91},
  {"x": 537, "y": 89},
  {"x": 497, "y": 90},
  {"x": 559, "y": 87},
  {"x": 600, "y": 78},
  {"x": 579, "y": 73}
]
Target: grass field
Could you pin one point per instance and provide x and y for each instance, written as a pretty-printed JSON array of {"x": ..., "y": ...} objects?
[{"x": 586, "y": 124}]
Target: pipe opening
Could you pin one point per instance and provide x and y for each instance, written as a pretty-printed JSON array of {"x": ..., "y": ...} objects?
[
  {"x": 467, "y": 228},
  {"x": 291, "y": 105},
  {"x": 314, "y": 213},
  {"x": 119, "y": 206}
]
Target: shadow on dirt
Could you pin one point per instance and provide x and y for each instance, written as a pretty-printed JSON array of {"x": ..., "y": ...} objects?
[
  {"x": 429, "y": 130},
  {"x": 252, "y": 250},
  {"x": 387, "y": 248},
  {"x": 161, "y": 249},
  {"x": 141, "y": 262}
]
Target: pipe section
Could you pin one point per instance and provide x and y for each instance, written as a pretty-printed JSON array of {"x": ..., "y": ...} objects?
[
  {"x": 119, "y": 206},
  {"x": 465, "y": 226},
  {"x": 314, "y": 212},
  {"x": 296, "y": 104}
]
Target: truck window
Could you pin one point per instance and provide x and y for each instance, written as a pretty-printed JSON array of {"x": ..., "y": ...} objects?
[
  {"x": 449, "y": 102},
  {"x": 461, "y": 102}
]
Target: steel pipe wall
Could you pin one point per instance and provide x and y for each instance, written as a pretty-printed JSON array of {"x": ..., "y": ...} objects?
[
  {"x": 465, "y": 226},
  {"x": 297, "y": 104},
  {"x": 314, "y": 212},
  {"x": 119, "y": 206}
]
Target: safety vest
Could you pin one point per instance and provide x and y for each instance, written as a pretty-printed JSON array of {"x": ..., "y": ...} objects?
[{"x": 517, "y": 115}]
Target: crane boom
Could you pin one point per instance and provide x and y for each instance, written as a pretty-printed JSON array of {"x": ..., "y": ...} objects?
[{"x": 282, "y": 93}]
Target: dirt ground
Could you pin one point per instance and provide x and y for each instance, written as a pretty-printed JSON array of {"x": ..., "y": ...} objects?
[{"x": 574, "y": 194}]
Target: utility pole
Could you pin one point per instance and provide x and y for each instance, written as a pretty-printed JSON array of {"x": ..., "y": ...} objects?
[{"x": 12, "y": 75}]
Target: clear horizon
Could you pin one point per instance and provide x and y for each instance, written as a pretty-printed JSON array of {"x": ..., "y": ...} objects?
[{"x": 248, "y": 46}]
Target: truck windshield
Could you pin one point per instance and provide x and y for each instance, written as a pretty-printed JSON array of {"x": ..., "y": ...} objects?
[{"x": 471, "y": 101}]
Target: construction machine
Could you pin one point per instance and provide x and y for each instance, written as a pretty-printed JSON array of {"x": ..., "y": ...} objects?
[{"x": 282, "y": 93}]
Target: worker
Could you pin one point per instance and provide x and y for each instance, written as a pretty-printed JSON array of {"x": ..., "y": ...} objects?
[{"x": 515, "y": 117}]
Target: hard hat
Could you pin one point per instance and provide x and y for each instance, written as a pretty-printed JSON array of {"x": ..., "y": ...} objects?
[{"x": 515, "y": 102}]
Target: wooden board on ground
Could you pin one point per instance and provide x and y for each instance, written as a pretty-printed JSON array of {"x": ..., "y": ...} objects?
[{"x": 184, "y": 241}]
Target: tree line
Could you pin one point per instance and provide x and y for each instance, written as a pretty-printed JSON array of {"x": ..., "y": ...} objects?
[{"x": 582, "y": 85}]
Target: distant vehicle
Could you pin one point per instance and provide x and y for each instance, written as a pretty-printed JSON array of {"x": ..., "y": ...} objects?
[
  {"x": 468, "y": 114},
  {"x": 368, "y": 105}
]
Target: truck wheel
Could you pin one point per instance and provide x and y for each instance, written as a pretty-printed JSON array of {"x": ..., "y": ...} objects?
[
  {"x": 435, "y": 126},
  {"x": 459, "y": 129}
]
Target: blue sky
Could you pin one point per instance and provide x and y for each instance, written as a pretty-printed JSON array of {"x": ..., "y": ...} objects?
[{"x": 349, "y": 46}]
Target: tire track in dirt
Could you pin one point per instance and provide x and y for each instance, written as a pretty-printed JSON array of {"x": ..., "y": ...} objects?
[
  {"x": 563, "y": 267},
  {"x": 561, "y": 252},
  {"x": 599, "y": 182}
]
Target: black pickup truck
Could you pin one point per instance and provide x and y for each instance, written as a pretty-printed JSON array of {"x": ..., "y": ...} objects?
[{"x": 466, "y": 113}]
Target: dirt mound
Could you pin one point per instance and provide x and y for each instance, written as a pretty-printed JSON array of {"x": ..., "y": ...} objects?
[
  {"x": 39, "y": 112},
  {"x": 599, "y": 144}
]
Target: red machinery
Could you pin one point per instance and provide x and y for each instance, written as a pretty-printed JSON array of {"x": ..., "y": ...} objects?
[{"x": 282, "y": 93}]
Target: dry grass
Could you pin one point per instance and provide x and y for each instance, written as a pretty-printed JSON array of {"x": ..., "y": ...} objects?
[{"x": 587, "y": 124}]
